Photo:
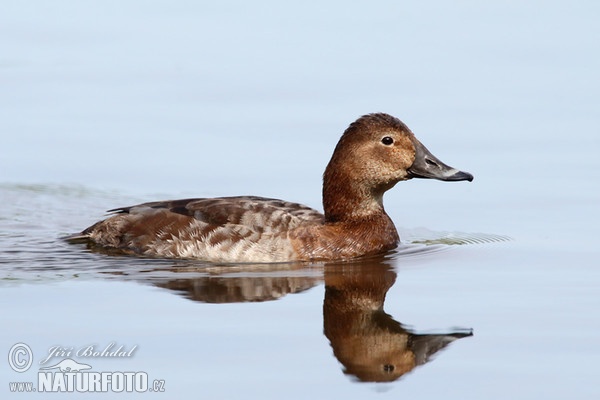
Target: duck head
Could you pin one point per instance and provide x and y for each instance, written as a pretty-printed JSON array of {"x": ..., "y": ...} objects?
[{"x": 374, "y": 153}]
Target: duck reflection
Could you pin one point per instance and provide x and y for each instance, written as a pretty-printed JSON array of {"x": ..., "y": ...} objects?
[
  {"x": 371, "y": 345},
  {"x": 240, "y": 289},
  {"x": 368, "y": 342}
]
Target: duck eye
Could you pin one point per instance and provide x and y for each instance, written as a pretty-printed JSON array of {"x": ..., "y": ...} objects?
[{"x": 387, "y": 140}]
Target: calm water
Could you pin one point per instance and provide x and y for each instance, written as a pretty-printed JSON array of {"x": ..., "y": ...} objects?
[{"x": 495, "y": 291}]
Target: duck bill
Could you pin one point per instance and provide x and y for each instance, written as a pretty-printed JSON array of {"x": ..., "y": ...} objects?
[{"x": 428, "y": 166}]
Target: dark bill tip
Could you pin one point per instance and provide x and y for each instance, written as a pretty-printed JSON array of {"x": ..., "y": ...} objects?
[{"x": 460, "y": 176}]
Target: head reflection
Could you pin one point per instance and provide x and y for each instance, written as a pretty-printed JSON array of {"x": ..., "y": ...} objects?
[{"x": 369, "y": 343}]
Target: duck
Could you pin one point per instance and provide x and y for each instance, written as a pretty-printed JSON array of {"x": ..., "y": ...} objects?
[{"x": 373, "y": 154}]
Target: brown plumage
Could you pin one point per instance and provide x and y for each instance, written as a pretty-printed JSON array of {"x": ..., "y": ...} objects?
[{"x": 373, "y": 154}]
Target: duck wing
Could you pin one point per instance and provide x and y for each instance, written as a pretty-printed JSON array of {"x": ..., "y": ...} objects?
[
  {"x": 251, "y": 211},
  {"x": 232, "y": 229}
]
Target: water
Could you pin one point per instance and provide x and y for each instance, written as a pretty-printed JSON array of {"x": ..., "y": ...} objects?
[{"x": 494, "y": 293}]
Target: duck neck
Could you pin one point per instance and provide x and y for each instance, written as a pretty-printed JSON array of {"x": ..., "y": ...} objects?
[{"x": 345, "y": 200}]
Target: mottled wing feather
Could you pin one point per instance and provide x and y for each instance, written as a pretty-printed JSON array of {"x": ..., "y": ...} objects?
[
  {"x": 225, "y": 229},
  {"x": 251, "y": 211},
  {"x": 172, "y": 205}
]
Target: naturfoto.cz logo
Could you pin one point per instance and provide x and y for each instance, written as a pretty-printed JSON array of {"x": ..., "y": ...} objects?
[{"x": 69, "y": 375}]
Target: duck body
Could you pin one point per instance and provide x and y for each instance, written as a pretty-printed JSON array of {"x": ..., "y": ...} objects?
[
  {"x": 239, "y": 229},
  {"x": 374, "y": 153}
]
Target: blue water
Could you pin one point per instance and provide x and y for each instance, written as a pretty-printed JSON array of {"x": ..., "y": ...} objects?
[{"x": 107, "y": 104}]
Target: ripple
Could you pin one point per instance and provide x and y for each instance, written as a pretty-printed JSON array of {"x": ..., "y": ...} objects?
[
  {"x": 451, "y": 238},
  {"x": 50, "y": 189}
]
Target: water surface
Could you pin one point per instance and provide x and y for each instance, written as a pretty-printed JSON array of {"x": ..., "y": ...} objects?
[{"x": 494, "y": 292}]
